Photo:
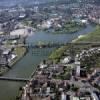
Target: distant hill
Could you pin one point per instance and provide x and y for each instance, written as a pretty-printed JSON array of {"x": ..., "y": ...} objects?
[
  {"x": 30, "y": 2},
  {"x": 15, "y": 2}
]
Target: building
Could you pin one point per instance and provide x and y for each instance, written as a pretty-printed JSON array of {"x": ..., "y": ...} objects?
[
  {"x": 77, "y": 65},
  {"x": 66, "y": 60},
  {"x": 63, "y": 96}
]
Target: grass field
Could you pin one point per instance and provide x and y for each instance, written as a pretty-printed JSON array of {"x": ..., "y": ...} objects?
[{"x": 19, "y": 51}]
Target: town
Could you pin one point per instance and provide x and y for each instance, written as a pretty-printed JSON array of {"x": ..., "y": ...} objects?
[
  {"x": 75, "y": 76},
  {"x": 66, "y": 34}
]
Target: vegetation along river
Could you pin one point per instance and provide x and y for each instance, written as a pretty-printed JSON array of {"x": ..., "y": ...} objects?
[{"x": 24, "y": 68}]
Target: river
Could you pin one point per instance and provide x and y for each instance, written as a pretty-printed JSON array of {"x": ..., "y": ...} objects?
[{"x": 24, "y": 68}]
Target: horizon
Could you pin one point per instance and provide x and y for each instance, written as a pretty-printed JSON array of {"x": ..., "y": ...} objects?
[{"x": 16, "y": 2}]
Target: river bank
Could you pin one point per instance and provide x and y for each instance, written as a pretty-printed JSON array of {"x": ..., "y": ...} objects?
[
  {"x": 28, "y": 64},
  {"x": 30, "y": 91},
  {"x": 69, "y": 28},
  {"x": 20, "y": 52},
  {"x": 54, "y": 56},
  {"x": 24, "y": 51},
  {"x": 92, "y": 37}
]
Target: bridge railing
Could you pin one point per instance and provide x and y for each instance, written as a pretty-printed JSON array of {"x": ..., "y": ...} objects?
[{"x": 14, "y": 79}]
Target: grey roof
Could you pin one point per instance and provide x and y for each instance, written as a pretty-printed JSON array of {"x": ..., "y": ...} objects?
[{"x": 3, "y": 61}]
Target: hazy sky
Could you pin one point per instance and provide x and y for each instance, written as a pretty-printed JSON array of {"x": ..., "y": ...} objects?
[
  {"x": 13, "y": 2},
  {"x": 20, "y": 1}
]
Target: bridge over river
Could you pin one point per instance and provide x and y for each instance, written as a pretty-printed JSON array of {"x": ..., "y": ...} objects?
[
  {"x": 28, "y": 64},
  {"x": 36, "y": 53},
  {"x": 53, "y": 45},
  {"x": 14, "y": 79}
]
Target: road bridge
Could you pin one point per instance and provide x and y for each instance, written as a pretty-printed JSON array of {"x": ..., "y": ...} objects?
[
  {"x": 51, "y": 45},
  {"x": 14, "y": 79}
]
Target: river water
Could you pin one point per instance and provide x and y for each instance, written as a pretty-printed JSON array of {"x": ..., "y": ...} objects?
[{"x": 24, "y": 68}]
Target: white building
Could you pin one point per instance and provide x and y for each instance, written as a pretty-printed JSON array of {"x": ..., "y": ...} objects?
[
  {"x": 63, "y": 96},
  {"x": 77, "y": 65},
  {"x": 36, "y": 9},
  {"x": 43, "y": 66},
  {"x": 66, "y": 60},
  {"x": 19, "y": 32},
  {"x": 48, "y": 91}
]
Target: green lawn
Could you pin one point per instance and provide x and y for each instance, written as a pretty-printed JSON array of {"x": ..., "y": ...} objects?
[
  {"x": 93, "y": 37},
  {"x": 3, "y": 70},
  {"x": 57, "y": 54},
  {"x": 19, "y": 51}
]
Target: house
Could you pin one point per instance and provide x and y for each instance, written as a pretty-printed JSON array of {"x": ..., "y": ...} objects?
[
  {"x": 77, "y": 65},
  {"x": 75, "y": 98},
  {"x": 48, "y": 91},
  {"x": 43, "y": 66},
  {"x": 66, "y": 60},
  {"x": 6, "y": 55},
  {"x": 63, "y": 96},
  {"x": 6, "y": 52},
  {"x": 19, "y": 32},
  {"x": 3, "y": 61},
  {"x": 12, "y": 57}
]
